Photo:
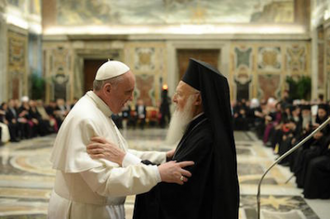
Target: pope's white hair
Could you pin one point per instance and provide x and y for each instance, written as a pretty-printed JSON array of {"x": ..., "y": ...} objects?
[{"x": 98, "y": 84}]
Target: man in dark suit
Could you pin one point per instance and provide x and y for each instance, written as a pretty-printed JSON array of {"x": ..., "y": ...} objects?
[{"x": 141, "y": 113}]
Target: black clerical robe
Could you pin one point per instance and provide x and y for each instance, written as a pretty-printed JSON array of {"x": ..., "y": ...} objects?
[
  {"x": 317, "y": 183},
  {"x": 194, "y": 199}
]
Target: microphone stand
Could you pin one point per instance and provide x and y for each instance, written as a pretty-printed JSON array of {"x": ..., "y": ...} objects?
[{"x": 322, "y": 126}]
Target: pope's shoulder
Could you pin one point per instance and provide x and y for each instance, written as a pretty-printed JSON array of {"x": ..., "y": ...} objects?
[{"x": 85, "y": 109}]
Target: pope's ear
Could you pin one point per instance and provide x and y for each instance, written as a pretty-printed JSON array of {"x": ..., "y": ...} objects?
[{"x": 107, "y": 88}]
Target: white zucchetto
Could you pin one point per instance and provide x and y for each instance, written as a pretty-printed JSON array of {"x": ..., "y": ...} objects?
[{"x": 111, "y": 69}]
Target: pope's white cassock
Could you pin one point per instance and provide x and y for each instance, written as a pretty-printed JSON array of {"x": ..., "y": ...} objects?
[{"x": 87, "y": 188}]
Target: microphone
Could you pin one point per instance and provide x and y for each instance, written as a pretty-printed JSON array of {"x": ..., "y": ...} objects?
[{"x": 322, "y": 126}]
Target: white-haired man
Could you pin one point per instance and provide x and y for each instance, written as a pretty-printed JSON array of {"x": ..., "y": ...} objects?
[{"x": 88, "y": 188}]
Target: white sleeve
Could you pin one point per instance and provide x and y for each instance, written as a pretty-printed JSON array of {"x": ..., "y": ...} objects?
[
  {"x": 153, "y": 156},
  {"x": 117, "y": 181},
  {"x": 130, "y": 159}
]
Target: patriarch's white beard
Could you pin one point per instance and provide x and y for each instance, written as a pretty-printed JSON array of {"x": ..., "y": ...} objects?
[{"x": 179, "y": 122}]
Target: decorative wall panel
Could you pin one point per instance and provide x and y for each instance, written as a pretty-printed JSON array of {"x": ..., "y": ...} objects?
[
  {"x": 148, "y": 62},
  {"x": 145, "y": 89},
  {"x": 320, "y": 83},
  {"x": 296, "y": 59},
  {"x": 60, "y": 61},
  {"x": 243, "y": 58},
  {"x": 269, "y": 86},
  {"x": 17, "y": 68},
  {"x": 260, "y": 69},
  {"x": 144, "y": 59},
  {"x": 269, "y": 59}
]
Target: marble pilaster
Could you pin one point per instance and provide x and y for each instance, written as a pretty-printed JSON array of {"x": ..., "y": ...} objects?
[{"x": 3, "y": 52}]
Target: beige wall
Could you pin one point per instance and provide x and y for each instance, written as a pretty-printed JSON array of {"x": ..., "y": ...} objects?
[{"x": 266, "y": 63}]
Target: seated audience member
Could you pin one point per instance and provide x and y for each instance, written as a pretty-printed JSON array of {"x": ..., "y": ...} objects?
[
  {"x": 141, "y": 113},
  {"x": 25, "y": 117},
  {"x": 61, "y": 111},
  {"x": 272, "y": 119},
  {"x": 313, "y": 148},
  {"x": 42, "y": 126},
  {"x": 53, "y": 113},
  {"x": 240, "y": 115},
  {"x": 126, "y": 115},
  {"x": 19, "y": 125},
  {"x": 252, "y": 113},
  {"x": 50, "y": 122},
  {"x": 317, "y": 180},
  {"x": 5, "y": 136}
]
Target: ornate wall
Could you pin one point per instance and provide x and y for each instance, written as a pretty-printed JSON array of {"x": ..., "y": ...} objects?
[
  {"x": 17, "y": 64},
  {"x": 260, "y": 69},
  {"x": 148, "y": 62},
  {"x": 3, "y": 53},
  {"x": 58, "y": 68},
  {"x": 253, "y": 69},
  {"x": 327, "y": 62}
]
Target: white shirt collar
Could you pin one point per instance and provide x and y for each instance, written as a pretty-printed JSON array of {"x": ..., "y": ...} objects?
[{"x": 100, "y": 103}]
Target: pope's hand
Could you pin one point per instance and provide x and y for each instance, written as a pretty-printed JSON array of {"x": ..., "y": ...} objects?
[
  {"x": 173, "y": 172},
  {"x": 101, "y": 148}
]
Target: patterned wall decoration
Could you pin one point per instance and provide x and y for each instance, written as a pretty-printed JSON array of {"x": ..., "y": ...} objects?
[
  {"x": 328, "y": 67},
  {"x": 242, "y": 67},
  {"x": 145, "y": 89},
  {"x": 269, "y": 86},
  {"x": 243, "y": 57},
  {"x": 320, "y": 83},
  {"x": 60, "y": 61},
  {"x": 263, "y": 74},
  {"x": 144, "y": 59},
  {"x": 296, "y": 59},
  {"x": 17, "y": 49},
  {"x": 148, "y": 61},
  {"x": 269, "y": 59}
]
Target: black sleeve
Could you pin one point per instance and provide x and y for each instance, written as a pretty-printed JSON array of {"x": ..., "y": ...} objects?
[{"x": 147, "y": 162}]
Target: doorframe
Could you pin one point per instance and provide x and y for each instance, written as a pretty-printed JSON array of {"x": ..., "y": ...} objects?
[
  {"x": 174, "y": 46},
  {"x": 78, "y": 71}
]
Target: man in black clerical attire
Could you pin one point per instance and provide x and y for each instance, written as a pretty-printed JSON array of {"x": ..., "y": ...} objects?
[
  {"x": 213, "y": 191},
  {"x": 317, "y": 179}
]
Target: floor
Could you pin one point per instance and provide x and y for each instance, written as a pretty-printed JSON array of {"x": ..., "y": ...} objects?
[{"x": 26, "y": 179}]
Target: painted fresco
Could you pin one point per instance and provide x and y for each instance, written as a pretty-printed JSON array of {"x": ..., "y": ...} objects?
[
  {"x": 269, "y": 59},
  {"x": 17, "y": 45},
  {"x": 320, "y": 82},
  {"x": 145, "y": 89},
  {"x": 114, "y": 12},
  {"x": 296, "y": 58},
  {"x": 31, "y": 6},
  {"x": 60, "y": 61},
  {"x": 144, "y": 59},
  {"x": 269, "y": 86},
  {"x": 243, "y": 57}
]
